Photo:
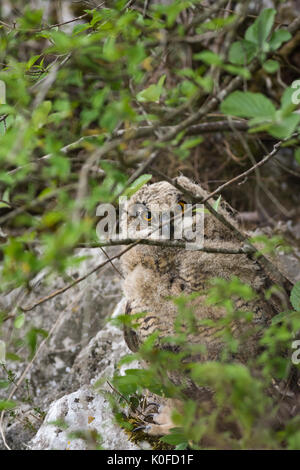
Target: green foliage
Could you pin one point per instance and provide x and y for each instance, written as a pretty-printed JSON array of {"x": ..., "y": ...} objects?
[
  {"x": 7, "y": 405},
  {"x": 210, "y": 58},
  {"x": 152, "y": 93},
  {"x": 281, "y": 123},
  {"x": 258, "y": 41},
  {"x": 19, "y": 321},
  {"x": 259, "y": 31},
  {"x": 137, "y": 184},
  {"x": 249, "y": 105},
  {"x": 295, "y": 296},
  {"x": 271, "y": 66},
  {"x": 32, "y": 337},
  {"x": 270, "y": 245}
]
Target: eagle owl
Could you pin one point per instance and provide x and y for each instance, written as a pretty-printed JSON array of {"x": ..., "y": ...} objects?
[{"x": 154, "y": 275}]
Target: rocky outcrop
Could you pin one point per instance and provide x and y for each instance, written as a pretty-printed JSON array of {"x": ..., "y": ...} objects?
[
  {"x": 83, "y": 347},
  {"x": 85, "y": 412}
]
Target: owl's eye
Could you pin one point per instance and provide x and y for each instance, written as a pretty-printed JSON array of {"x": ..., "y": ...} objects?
[
  {"x": 182, "y": 204},
  {"x": 147, "y": 216}
]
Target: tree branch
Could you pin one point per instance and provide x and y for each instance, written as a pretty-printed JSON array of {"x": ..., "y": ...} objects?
[{"x": 230, "y": 250}]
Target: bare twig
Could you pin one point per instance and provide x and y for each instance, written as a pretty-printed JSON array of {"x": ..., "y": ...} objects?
[
  {"x": 77, "y": 281},
  {"x": 112, "y": 264},
  {"x": 245, "y": 173},
  {"x": 230, "y": 250},
  {"x": 3, "y": 117},
  {"x": 228, "y": 10},
  {"x": 143, "y": 131}
]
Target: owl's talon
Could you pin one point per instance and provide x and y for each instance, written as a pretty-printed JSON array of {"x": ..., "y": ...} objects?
[
  {"x": 157, "y": 406},
  {"x": 162, "y": 421},
  {"x": 140, "y": 428},
  {"x": 154, "y": 403}
]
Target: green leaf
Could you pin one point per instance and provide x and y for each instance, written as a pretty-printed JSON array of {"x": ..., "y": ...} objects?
[
  {"x": 182, "y": 446},
  {"x": 171, "y": 11},
  {"x": 7, "y": 405},
  {"x": 31, "y": 18},
  {"x": 111, "y": 51},
  {"x": 271, "y": 66},
  {"x": 242, "y": 52},
  {"x": 237, "y": 70},
  {"x": 5, "y": 198},
  {"x": 32, "y": 61},
  {"x": 4, "y": 383},
  {"x": 248, "y": 105},
  {"x": 286, "y": 100},
  {"x": 79, "y": 28},
  {"x": 279, "y": 37},
  {"x": 176, "y": 437},
  {"x": 137, "y": 184},
  {"x": 19, "y": 321},
  {"x": 216, "y": 203},
  {"x": 190, "y": 143},
  {"x": 283, "y": 316},
  {"x": 216, "y": 23},
  {"x": 40, "y": 114},
  {"x": 63, "y": 43},
  {"x": 31, "y": 338},
  {"x": 13, "y": 357},
  {"x": 259, "y": 31},
  {"x": 286, "y": 127},
  {"x": 152, "y": 93},
  {"x": 209, "y": 58},
  {"x": 59, "y": 166},
  {"x": 295, "y": 296}
]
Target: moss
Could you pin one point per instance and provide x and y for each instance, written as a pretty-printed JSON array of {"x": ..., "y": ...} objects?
[{"x": 139, "y": 436}]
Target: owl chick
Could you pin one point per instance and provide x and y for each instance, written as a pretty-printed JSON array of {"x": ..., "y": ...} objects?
[{"x": 154, "y": 275}]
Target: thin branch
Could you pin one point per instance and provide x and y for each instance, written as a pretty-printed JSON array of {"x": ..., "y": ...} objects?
[
  {"x": 35, "y": 202},
  {"x": 3, "y": 117},
  {"x": 214, "y": 126},
  {"x": 6, "y": 25},
  {"x": 143, "y": 131},
  {"x": 228, "y": 10},
  {"x": 112, "y": 264},
  {"x": 77, "y": 281},
  {"x": 174, "y": 244},
  {"x": 247, "y": 172},
  {"x": 205, "y": 16},
  {"x": 57, "y": 25}
]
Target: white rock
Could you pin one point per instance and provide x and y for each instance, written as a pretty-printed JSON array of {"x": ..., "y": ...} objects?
[
  {"x": 86, "y": 410},
  {"x": 82, "y": 411}
]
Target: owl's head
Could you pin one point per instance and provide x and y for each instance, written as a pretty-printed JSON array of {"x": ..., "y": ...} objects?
[{"x": 150, "y": 209}]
